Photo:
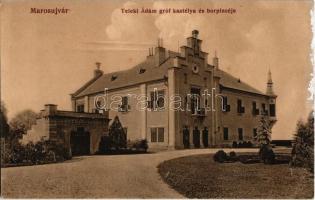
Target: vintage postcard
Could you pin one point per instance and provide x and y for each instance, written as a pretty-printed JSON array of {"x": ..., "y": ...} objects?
[{"x": 157, "y": 99}]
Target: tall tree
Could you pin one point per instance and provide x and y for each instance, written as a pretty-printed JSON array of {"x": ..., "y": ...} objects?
[
  {"x": 22, "y": 122},
  {"x": 117, "y": 134},
  {"x": 264, "y": 132},
  {"x": 4, "y": 126},
  {"x": 303, "y": 148}
]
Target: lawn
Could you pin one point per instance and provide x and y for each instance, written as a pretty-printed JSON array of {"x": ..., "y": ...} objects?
[{"x": 200, "y": 177}]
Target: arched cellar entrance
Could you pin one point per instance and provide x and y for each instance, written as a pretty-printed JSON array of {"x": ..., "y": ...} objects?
[
  {"x": 205, "y": 137},
  {"x": 80, "y": 142},
  {"x": 196, "y": 137},
  {"x": 186, "y": 137}
]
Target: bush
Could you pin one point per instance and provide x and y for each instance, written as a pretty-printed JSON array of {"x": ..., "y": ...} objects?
[
  {"x": 266, "y": 154},
  {"x": 233, "y": 157},
  {"x": 105, "y": 144},
  {"x": 241, "y": 145},
  {"x": 249, "y": 144},
  {"x": 220, "y": 156},
  {"x": 141, "y": 144},
  {"x": 303, "y": 148},
  {"x": 38, "y": 153},
  {"x": 234, "y": 144},
  {"x": 118, "y": 137}
]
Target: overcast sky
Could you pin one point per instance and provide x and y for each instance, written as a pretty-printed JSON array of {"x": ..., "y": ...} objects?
[{"x": 44, "y": 58}]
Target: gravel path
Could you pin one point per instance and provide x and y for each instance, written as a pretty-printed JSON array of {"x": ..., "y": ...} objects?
[{"x": 117, "y": 176}]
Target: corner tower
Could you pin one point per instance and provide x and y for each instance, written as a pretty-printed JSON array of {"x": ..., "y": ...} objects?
[{"x": 272, "y": 99}]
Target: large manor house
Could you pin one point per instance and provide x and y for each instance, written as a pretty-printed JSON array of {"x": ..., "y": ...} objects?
[{"x": 165, "y": 79}]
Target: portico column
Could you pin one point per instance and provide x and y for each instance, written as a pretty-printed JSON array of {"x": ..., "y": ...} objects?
[
  {"x": 86, "y": 104},
  {"x": 171, "y": 106},
  {"x": 191, "y": 137},
  {"x": 201, "y": 138},
  {"x": 143, "y": 112}
]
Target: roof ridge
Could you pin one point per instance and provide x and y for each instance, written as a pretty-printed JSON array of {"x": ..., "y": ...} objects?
[{"x": 254, "y": 90}]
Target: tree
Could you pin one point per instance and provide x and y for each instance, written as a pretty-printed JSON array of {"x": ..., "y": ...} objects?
[
  {"x": 264, "y": 138},
  {"x": 303, "y": 148},
  {"x": 264, "y": 132},
  {"x": 117, "y": 134},
  {"x": 21, "y": 123},
  {"x": 4, "y": 126}
]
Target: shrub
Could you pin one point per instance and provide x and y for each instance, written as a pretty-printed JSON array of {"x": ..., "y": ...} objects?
[
  {"x": 118, "y": 137},
  {"x": 303, "y": 148},
  {"x": 233, "y": 157},
  {"x": 220, "y": 156},
  {"x": 234, "y": 144},
  {"x": 140, "y": 144},
  {"x": 38, "y": 153},
  {"x": 105, "y": 144},
  {"x": 266, "y": 154},
  {"x": 249, "y": 144},
  {"x": 240, "y": 145}
]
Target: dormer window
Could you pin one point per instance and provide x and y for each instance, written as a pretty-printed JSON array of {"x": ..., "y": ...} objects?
[
  {"x": 141, "y": 71},
  {"x": 114, "y": 77}
]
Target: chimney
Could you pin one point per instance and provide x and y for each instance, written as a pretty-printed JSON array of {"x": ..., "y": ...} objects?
[
  {"x": 50, "y": 109},
  {"x": 98, "y": 72},
  {"x": 215, "y": 61},
  {"x": 159, "y": 55},
  {"x": 195, "y": 34}
]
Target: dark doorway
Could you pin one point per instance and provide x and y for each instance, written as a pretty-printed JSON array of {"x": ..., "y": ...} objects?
[
  {"x": 80, "y": 142},
  {"x": 196, "y": 137},
  {"x": 205, "y": 137},
  {"x": 186, "y": 137}
]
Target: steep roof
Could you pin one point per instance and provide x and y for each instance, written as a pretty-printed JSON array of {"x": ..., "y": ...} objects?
[
  {"x": 128, "y": 77},
  {"x": 150, "y": 72},
  {"x": 229, "y": 81}
]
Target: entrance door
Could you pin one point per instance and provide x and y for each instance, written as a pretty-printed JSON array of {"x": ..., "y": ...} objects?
[
  {"x": 80, "y": 142},
  {"x": 205, "y": 136},
  {"x": 196, "y": 137},
  {"x": 186, "y": 137}
]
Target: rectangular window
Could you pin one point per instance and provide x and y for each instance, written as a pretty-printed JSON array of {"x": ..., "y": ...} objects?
[
  {"x": 240, "y": 133},
  {"x": 264, "y": 110},
  {"x": 124, "y": 104},
  {"x": 153, "y": 135},
  {"x": 255, "y": 109},
  {"x": 80, "y": 108},
  {"x": 157, "y": 134},
  {"x": 160, "y": 134},
  {"x": 255, "y": 132},
  {"x": 272, "y": 108},
  {"x": 157, "y": 99},
  {"x": 240, "y": 108},
  {"x": 124, "y": 101},
  {"x": 225, "y": 106},
  {"x": 160, "y": 98},
  {"x": 225, "y": 133}
]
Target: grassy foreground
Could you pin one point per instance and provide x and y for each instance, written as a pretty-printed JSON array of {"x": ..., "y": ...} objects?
[{"x": 200, "y": 177}]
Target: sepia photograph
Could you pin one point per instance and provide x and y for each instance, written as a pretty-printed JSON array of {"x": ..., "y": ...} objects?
[{"x": 151, "y": 99}]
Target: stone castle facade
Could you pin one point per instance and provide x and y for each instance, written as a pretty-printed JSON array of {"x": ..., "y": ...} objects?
[{"x": 168, "y": 80}]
